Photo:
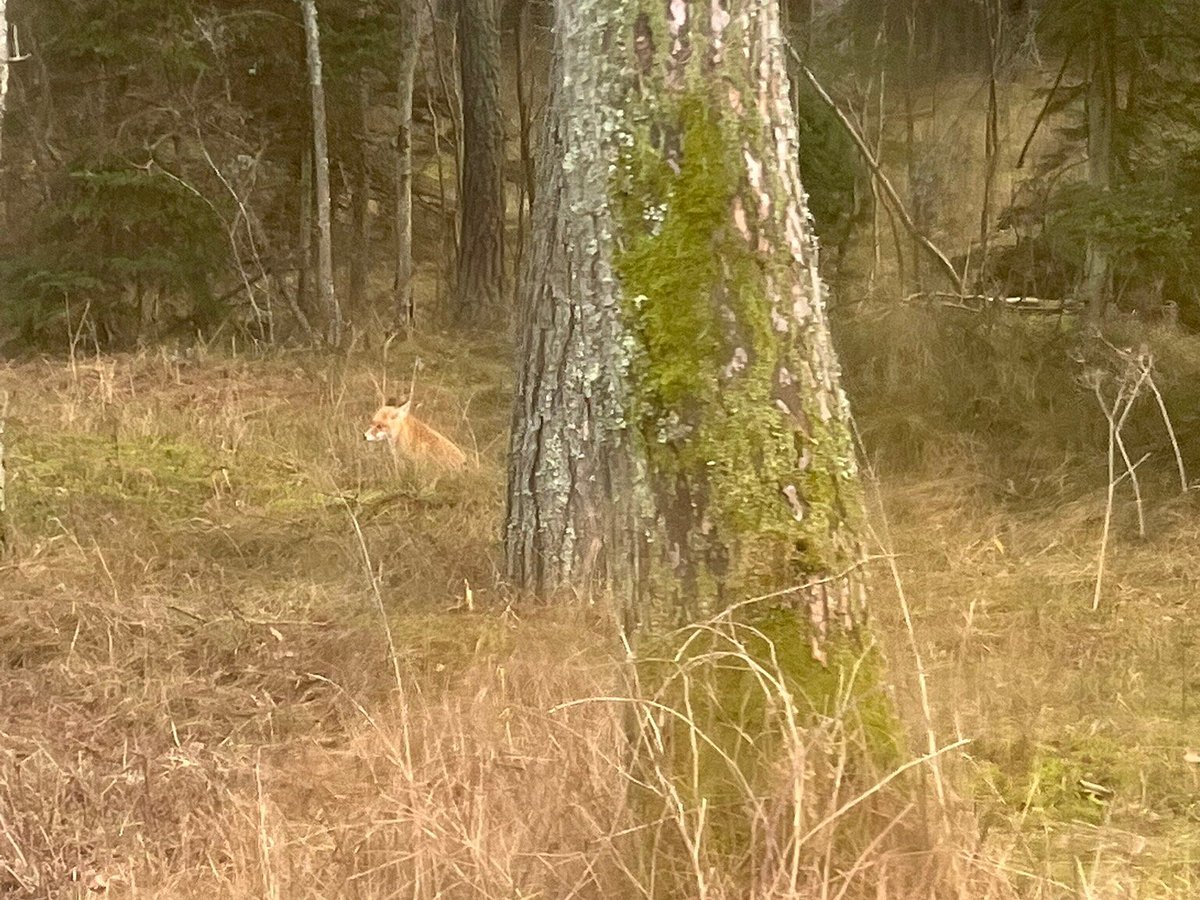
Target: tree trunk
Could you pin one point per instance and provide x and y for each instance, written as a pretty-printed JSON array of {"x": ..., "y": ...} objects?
[
  {"x": 406, "y": 55},
  {"x": 330, "y": 308},
  {"x": 523, "y": 79},
  {"x": 1101, "y": 113},
  {"x": 5, "y": 538},
  {"x": 991, "y": 139},
  {"x": 304, "y": 299},
  {"x": 679, "y": 427},
  {"x": 480, "y": 279},
  {"x": 4, "y": 63},
  {"x": 360, "y": 199}
]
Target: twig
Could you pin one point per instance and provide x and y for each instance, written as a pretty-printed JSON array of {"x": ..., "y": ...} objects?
[
  {"x": 412, "y": 386},
  {"x": 1162, "y": 408},
  {"x": 1127, "y": 394},
  {"x": 1037, "y": 122},
  {"x": 1145, "y": 364}
]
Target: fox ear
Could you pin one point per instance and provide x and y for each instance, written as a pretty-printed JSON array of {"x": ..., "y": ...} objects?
[
  {"x": 391, "y": 401},
  {"x": 406, "y": 406}
]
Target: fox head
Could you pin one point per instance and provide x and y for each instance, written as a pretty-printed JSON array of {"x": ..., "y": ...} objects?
[{"x": 387, "y": 420}]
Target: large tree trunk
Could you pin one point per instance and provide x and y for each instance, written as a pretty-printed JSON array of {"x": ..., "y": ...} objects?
[
  {"x": 411, "y": 26},
  {"x": 480, "y": 279},
  {"x": 330, "y": 307},
  {"x": 1101, "y": 114},
  {"x": 679, "y": 427}
]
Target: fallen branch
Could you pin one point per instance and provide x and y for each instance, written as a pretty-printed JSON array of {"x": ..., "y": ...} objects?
[{"x": 889, "y": 191}]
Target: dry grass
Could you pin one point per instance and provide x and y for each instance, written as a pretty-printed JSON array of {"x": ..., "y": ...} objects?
[
  {"x": 1082, "y": 763},
  {"x": 242, "y": 655},
  {"x": 237, "y": 659}
]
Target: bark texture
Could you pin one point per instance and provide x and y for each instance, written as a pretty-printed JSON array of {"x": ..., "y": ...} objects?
[
  {"x": 679, "y": 413},
  {"x": 569, "y": 447},
  {"x": 5, "y": 60},
  {"x": 304, "y": 292},
  {"x": 360, "y": 201},
  {"x": 1101, "y": 114},
  {"x": 480, "y": 278},
  {"x": 4, "y": 63},
  {"x": 413, "y": 22},
  {"x": 5, "y": 543},
  {"x": 330, "y": 308}
]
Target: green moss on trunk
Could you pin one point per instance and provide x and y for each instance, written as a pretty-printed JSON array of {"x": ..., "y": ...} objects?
[{"x": 697, "y": 300}]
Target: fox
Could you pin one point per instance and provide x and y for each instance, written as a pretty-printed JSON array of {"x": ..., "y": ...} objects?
[{"x": 395, "y": 423}]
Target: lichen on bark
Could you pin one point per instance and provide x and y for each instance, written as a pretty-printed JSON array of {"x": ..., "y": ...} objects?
[
  {"x": 746, "y": 439},
  {"x": 672, "y": 286}
]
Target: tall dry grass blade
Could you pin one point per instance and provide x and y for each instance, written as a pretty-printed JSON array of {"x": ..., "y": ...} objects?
[{"x": 393, "y": 654}]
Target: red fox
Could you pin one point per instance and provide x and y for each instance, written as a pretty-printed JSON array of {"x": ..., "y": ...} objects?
[{"x": 395, "y": 423}]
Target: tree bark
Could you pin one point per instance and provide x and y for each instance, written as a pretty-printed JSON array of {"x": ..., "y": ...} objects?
[
  {"x": 5, "y": 538},
  {"x": 304, "y": 299},
  {"x": 330, "y": 308},
  {"x": 360, "y": 199},
  {"x": 410, "y": 26},
  {"x": 991, "y": 139},
  {"x": 568, "y": 449},
  {"x": 1101, "y": 115},
  {"x": 679, "y": 428},
  {"x": 479, "y": 284},
  {"x": 4, "y": 63}
]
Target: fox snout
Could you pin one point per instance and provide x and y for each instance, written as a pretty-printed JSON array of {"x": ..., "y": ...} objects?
[{"x": 385, "y": 421}]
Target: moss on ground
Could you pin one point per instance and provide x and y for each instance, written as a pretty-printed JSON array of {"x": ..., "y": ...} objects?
[{"x": 53, "y": 472}]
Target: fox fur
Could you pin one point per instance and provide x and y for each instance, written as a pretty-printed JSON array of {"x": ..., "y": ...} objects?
[{"x": 395, "y": 423}]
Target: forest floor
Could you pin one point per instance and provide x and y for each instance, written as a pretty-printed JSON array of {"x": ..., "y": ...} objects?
[{"x": 243, "y": 653}]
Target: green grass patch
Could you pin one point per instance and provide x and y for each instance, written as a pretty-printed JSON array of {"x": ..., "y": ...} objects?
[{"x": 62, "y": 474}]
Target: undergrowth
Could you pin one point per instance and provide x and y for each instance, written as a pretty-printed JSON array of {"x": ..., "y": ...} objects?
[
  {"x": 992, "y": 449},
  {"x": 241, "y": 655},
  {"x": 244, "y": 654}
]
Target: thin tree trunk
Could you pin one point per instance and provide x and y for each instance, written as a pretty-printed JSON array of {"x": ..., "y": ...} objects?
[
  {"x": 991, "y": 141},
  {"x": 1101, "y": 111},
  {"x": 330, "y": 308},
  {"x": 403, "y": 310},
  {"x": 454, "y": 102},
  {"x": 5, "y": 537},
  {"x": 360, "y": 212},
  {"x": 679, "y": 428},
  {"x": 527, "y": 188},
  {"x": 304, "y": 298},
  {"x": 915, "y": 200},
  {"x": 479, "y": 284},
  {"x": 273, "y": 285},
  {"x": 4, "y": 64},
  {"x": 525, "y": 100}
]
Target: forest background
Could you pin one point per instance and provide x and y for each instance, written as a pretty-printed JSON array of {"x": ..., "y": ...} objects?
[{"x": 242, "y": 657}]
